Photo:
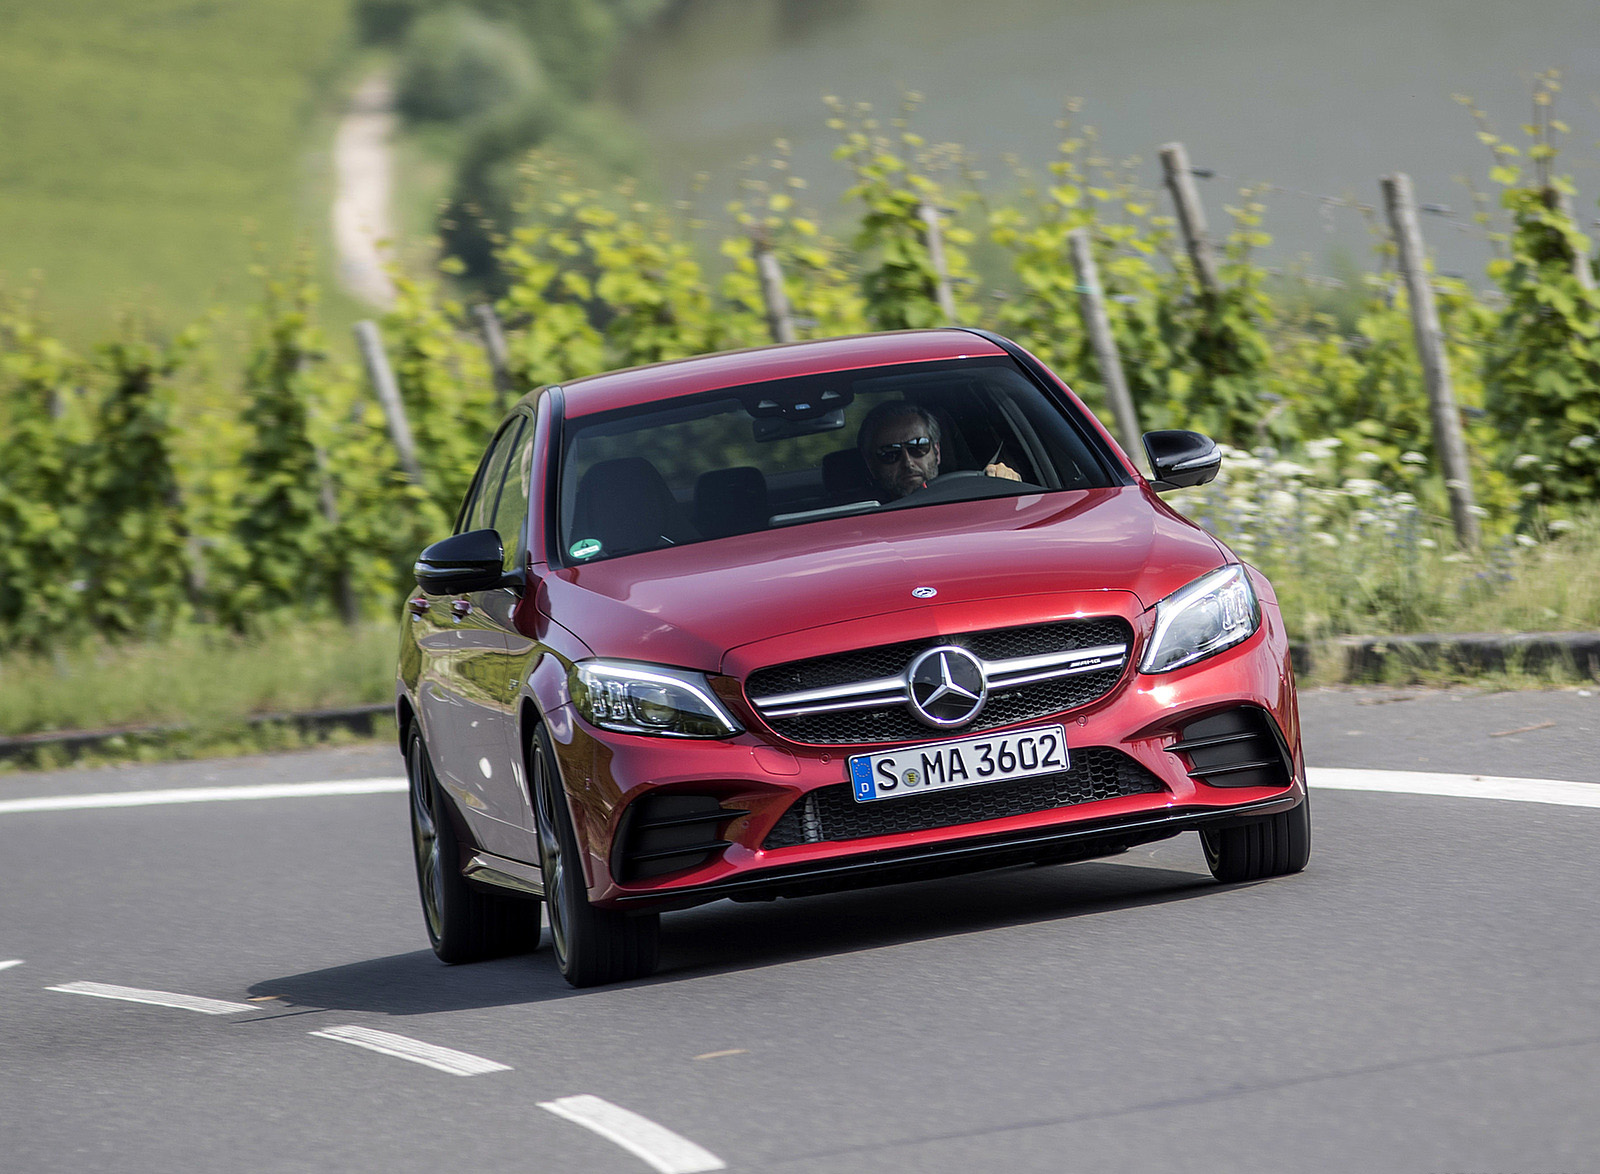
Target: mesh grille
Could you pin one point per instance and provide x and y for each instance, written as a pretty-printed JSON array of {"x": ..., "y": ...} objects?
[
  {"x": 895, "y": 724},
  {"x": 831, "y": 813}
]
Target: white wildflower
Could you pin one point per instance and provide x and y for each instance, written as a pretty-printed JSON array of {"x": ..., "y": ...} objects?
[
  {"x": 1369, "y": 458},
  {"x": 1413, "y": 458},
  {"x": 1526, "y": 540},
  {"x": 1526, "y": 460},
  {"x": 1580, "y": 442}
]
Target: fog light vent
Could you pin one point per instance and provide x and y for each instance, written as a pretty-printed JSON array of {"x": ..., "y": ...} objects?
[
  {"x": 666, "y": 833},
  {"x": 1236, "y": 748}
]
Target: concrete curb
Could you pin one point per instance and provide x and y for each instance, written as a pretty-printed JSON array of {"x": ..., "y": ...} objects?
[
  {"x": 1372, "y": 658},
  {"x": 361, "y": 720}
]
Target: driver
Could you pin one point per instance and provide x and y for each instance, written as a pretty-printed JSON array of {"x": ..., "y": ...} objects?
[{"x": 900, "y": 443}]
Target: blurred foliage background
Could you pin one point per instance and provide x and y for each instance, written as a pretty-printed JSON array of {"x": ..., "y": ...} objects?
[{"x": 195, "y": 461}]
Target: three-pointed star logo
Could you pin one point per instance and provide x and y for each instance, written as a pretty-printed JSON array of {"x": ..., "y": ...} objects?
[{"x": 947, "y": 686}]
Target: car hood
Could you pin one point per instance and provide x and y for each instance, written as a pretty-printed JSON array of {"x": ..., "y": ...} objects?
[{"x": 690, "y": 605}]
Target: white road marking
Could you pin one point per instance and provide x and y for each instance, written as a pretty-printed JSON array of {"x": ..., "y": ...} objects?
[
  {"x": 1461, "y": 786},
  {"x": 405, "y": 1048},
  {"x": 10, "y": 964},
  {"x": 1408, "y": 782},
  {"x": 130, "y": 994},
  {"x": 202, "y": 795},
  {"x": 663, "y": 1149}
]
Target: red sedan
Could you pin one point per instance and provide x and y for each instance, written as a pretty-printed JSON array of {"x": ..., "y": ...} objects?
[{"x": 818, "y": 616}]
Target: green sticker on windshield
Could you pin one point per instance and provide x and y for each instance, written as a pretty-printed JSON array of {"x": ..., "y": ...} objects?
[{"x": 585, "y": 548}]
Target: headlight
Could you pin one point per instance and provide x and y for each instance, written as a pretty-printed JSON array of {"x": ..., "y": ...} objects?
[
  {"x": 648, "y": 699},
  {"x": 1216, "y": 611}
]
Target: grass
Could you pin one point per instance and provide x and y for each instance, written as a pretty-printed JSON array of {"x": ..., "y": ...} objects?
[
  {"x": 199, "y": 678},
  {"x": 145, "y": 142},
  {"x": 1381, "y": 584}
]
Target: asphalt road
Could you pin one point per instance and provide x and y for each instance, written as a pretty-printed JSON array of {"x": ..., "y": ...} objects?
[{"x": 1421, "y": 999}]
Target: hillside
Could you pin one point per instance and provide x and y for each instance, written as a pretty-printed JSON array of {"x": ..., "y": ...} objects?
[{"x": 144, "y": 142}]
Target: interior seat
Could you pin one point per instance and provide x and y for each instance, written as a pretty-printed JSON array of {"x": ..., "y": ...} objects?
[
  {"x": 731, "y": 501},
  {"x": 625, "y": 504},
  {"x": 845, "y": 478}
]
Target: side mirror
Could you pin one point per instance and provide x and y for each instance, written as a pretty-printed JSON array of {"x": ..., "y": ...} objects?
[
  {"x": 463, "y": 562},
  {"x": 1180, "y": 459}
]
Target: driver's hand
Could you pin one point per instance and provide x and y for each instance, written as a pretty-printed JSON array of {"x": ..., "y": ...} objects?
[{"x": 1000, "y": 470}]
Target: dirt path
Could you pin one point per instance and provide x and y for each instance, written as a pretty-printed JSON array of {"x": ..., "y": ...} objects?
[{"x": 363, "y": 176}]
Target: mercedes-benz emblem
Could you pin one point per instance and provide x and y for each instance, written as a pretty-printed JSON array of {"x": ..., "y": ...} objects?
[
  {"x": 946, "y": 686},
  {"x": 924, "y": 592}
]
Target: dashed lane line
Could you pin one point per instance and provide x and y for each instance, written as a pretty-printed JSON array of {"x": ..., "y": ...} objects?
[
  {"x": 128, "y": 994},
  {"x": 8, "y": 965},
  {"x": 1409, "y": 782},
  {"x": 666, "y": 1151},
  {"x": 202, "y": 795},
  {"x": 405, "y": 1048}
]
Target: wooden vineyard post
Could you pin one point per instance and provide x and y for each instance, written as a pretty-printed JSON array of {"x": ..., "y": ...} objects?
[
  {"x": 941, "y": 270},
  {"x": 394, "y": 412},
  {"x": 494, "y": 345},
  {"x": 1448, "y": 441},
  {"x": 1191, "y": 215},
  {"x": 1092, "y": 305},
  {"x": 780, "y": 319}
]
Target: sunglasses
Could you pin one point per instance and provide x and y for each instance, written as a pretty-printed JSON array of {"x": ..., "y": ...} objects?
[{"x": 888, "y": 454}]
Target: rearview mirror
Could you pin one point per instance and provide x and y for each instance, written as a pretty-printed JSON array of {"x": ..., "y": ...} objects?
[{"x": 1180, "y": 459}]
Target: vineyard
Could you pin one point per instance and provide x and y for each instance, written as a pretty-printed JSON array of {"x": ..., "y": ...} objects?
[{"x": 147, "y": 487}]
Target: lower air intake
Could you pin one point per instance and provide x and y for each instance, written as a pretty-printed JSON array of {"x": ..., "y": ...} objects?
[
  {"x": 832, "y": 813},
  {"x": 1236, "y": 748},
  {"x": 667, "y": 833}
]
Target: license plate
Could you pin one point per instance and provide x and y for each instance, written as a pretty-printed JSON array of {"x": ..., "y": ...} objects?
[{"x": 940, "y": 766}]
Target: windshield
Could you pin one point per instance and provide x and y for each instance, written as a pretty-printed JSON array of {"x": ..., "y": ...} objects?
[{"x": 794, "y": 451}]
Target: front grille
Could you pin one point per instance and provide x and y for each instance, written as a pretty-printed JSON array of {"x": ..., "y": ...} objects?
[
  {"x": 892, "y": 722},
  {"x": 832, "y": 813}
]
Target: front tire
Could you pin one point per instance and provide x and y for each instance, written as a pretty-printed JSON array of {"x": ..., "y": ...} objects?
[
  {"x": 592, "y": 946},
  {"x": 464, "y": 925},
  {"x": 1275, "y": 846}
]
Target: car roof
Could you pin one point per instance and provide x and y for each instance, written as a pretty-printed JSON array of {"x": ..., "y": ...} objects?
[{"x": 640, "y": 385}]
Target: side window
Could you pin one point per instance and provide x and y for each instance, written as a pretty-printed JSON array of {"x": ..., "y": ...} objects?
[
  {"x": 480, "y": 510},
  {"x": 511, "y": 514}
]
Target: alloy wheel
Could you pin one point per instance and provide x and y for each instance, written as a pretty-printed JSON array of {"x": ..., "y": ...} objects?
[
  {"x": 425, "y": 838},
  {"x": 552, "y": 860}
]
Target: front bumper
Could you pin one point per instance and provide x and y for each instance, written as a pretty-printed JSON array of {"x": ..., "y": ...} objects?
[{"x": 757, "y": 778}]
